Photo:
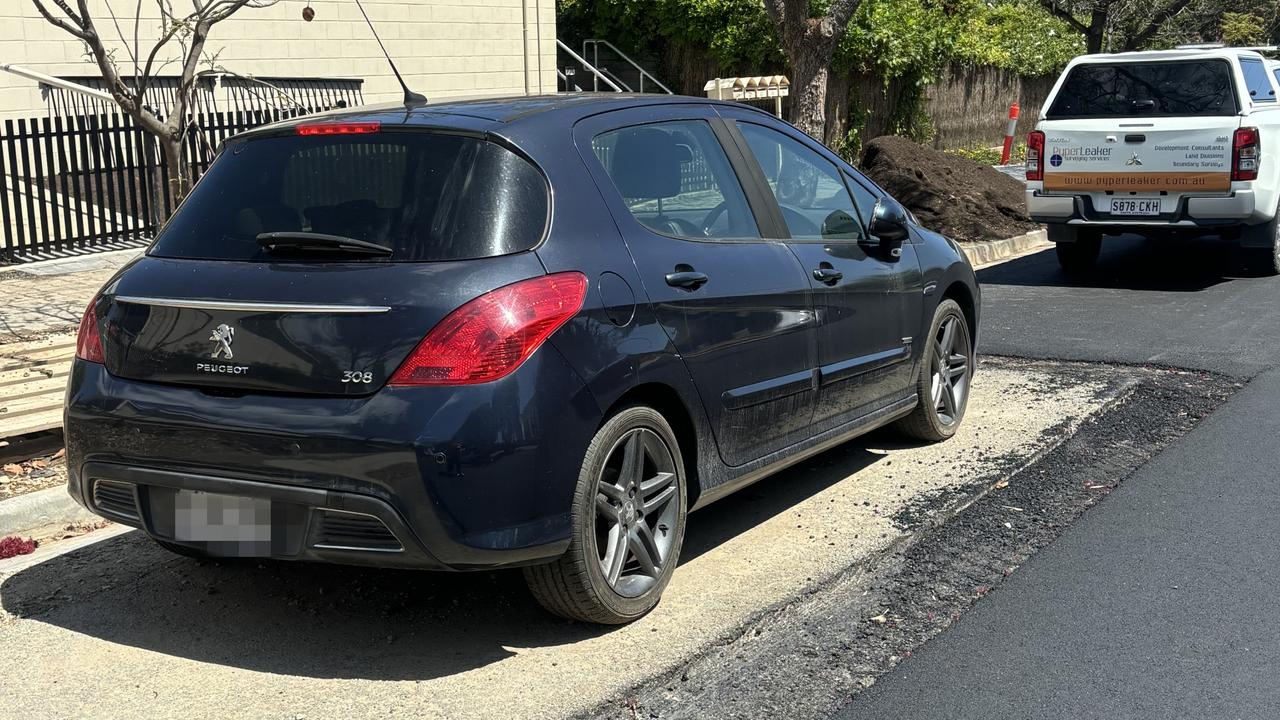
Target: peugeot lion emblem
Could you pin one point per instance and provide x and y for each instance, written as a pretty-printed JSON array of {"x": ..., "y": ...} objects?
[
  {"x": 222, "y": 337},
  {"x": 1135, "y": 160}
]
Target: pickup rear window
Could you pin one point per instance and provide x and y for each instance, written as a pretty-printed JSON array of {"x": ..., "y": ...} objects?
[
  {"x": 428, "y": 196},
  {"x": 1184, "y": 87}
]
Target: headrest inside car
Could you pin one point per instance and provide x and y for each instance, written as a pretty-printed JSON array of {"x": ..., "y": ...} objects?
[{"x": 646, "y": 164}]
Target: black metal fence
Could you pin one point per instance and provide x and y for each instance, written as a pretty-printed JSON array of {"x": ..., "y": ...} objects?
[{"x": 88, "y": 182}]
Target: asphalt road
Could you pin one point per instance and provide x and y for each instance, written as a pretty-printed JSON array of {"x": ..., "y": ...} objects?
[
  {"x": 1185, "y": 304},
  {"x": 1161, "y": 601}
]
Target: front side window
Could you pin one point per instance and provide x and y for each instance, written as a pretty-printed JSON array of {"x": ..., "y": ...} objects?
[
  {"x": 426, "y": 196},
  {"x": 1184, "y": 87},
  {"x": 1256, "y": 82},
  {"x": 676, "y": 180},
  {"x": 815, "y": 203}
]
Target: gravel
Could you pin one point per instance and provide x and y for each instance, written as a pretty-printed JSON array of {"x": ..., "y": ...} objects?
[{"x": 821, "y": 651}]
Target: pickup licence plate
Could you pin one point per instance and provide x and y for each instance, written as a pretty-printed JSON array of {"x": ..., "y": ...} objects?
[{"x": 1126, "y": 206}]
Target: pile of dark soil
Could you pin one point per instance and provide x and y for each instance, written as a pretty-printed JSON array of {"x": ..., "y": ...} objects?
[{"x": 960, "y": 198}]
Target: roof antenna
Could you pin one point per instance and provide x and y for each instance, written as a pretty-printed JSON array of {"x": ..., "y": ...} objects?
[{"x": 410, "y": 97}]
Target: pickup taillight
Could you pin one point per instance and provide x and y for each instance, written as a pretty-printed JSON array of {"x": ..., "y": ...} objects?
[
  {"x": 1246, "y": 152},
  {"x": 1035, "y": 155}
]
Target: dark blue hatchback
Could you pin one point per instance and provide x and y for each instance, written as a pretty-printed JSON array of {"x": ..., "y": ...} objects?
[{"x": 531, "y": 332}]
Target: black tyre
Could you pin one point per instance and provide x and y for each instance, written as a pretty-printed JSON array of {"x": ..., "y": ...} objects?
[
  {"x": 945, "y": 377},
  {"x": 1081, "y": 254},
  {"x": 1261, "y": 246},
  {"x": 628, "y": 522}
]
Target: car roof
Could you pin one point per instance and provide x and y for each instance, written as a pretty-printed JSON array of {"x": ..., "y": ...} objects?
[{"x": 487, "y": 114}]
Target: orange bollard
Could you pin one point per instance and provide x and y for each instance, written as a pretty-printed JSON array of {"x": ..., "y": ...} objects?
[{"x": 1009, "y": 130}]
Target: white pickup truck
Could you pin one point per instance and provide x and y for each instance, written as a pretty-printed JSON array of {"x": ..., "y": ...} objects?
[{"x": 1159, "y": 143}]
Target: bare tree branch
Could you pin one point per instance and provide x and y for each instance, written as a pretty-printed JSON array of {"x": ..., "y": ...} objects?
[
  {"x": 1063, "y": 14},
  {"x": 1156, "y": 23},
  {"x": 59, "y": 22},
  {"x": 115, "y": 21}
]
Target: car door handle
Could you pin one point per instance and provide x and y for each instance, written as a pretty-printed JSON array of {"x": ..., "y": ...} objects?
[
  {"x": 687, "y": 279},
  {"x": 827, "y": 275}
]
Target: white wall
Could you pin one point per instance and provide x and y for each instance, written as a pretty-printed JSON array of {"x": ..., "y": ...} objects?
[{"x": 443, "y": 47}]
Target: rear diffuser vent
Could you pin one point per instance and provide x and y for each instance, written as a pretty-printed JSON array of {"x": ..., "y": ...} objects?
[
  {"x": 354, "y": 531},
  {"x": 115, "y": 499}
]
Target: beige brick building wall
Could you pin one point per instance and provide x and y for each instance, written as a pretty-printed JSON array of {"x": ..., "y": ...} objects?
[{"x": 444, "y": 48}]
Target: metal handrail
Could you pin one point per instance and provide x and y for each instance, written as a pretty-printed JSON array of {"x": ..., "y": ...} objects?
[
  {"x": 587, "y": 66},
  {"x": 616, "y": 79},
  {"x": 595, "y": 44}
]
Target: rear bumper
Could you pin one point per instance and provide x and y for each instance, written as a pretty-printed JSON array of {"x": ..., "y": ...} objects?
[
  {"x": 471, "y": 477},
  {"x": 1239, "y": 208}
]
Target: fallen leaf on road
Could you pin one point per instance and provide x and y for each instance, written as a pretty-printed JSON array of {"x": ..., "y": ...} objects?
[
  {"x": 13, "y": 469},
  {"x": 1001, "y": 484},
  {"x": 60, "y": 453},
  {"x": 880, "y": 619}
]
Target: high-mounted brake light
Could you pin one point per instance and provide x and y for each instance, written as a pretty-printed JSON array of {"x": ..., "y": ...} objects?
[
  {"x": 492, "y": 335},
  {"x": 88, "y": 340},
  {"x": 354, "y": 128},
  {"x": 1035, "y": 155},
  {"x": 1246, "y": 150}
]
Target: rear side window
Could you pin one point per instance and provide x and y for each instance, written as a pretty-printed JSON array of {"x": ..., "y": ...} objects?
[
  {"x": 1256, "y": 81},
  {"x": 428, "y": 196},
  {"x": 1188, "y": 87},
  {"x": 676, "y": 180}
]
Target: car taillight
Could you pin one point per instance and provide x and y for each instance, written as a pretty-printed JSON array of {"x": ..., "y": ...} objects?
[
  {"x": 1246, "y": 149},
  {"x": 88, "y": 340},
  {"x": 1035, "y": 155},
  {"x": 490, "y": 336},
  {"x": 354, "y": 128}
]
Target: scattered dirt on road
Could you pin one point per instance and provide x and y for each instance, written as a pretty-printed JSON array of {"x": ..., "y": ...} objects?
[
  {"x": 962, "y": 199},
  {"x": 821, "y": 651}
]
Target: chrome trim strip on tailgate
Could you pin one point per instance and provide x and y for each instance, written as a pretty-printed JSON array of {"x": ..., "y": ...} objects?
[{"x": 254, "y": 306}]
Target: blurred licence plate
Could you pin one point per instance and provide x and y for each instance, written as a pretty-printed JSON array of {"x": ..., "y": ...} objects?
[
  {"x": 213, "y": 518},
  {"x": 1125, "y": 206}
]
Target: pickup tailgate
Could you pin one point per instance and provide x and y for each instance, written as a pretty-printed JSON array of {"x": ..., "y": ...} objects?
[{"x": 1183, "y": 155}]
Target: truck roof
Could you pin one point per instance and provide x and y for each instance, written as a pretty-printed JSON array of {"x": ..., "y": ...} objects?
[{"x": 1222, "y": 53}]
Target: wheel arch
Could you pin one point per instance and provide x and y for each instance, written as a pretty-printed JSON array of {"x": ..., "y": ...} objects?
[
  {"x": 963, "y": 296},
  {"x": 667, "y": 401}
]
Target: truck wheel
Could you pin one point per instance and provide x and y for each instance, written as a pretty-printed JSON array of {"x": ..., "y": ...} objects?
[
  {"x": 627, "y": 524},
  {"x": 1261, "y": 245},
  {"x": 1078, "y": 254}
]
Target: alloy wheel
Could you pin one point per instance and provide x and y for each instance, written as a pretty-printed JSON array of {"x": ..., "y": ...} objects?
[
  {"x": 636, "y": 512},
  {"x": 951, "y": 369}
]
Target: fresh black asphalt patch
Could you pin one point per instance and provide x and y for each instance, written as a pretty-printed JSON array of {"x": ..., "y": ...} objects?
[{"x": 817, "y": 653}]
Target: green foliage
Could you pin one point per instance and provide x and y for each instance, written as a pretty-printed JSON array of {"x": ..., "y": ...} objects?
[
  {"x": 991, "y": 155},
  {"x": 735, "y": 33},
  {"x": 1018, "y": 36},
  {"x": 1243, "y": 28},
  {"x": 893, "y": 39}
]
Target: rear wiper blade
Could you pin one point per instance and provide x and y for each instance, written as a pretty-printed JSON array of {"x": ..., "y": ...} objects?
[{"x": 298, "y": 240}]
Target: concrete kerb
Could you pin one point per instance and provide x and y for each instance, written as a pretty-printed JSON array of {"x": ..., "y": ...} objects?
[
  {"x": 997, "y": 251},
  {"x": 22, "y": 514}
]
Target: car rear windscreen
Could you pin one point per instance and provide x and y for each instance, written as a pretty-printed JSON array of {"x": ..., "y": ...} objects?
[
  {"x": 1187, "y": 87},
  {"x": 428, "y": 196}
]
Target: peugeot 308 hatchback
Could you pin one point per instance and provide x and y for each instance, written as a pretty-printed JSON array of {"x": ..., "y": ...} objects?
[{"x": 532, "y": 333}]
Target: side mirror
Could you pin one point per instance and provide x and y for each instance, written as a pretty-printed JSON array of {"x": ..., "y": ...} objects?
[{"x": 889, "y": 222}]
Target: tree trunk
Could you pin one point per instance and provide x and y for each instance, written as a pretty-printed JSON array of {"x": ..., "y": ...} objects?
[
  {"x": 179, "y": 172},
  {"x": 1096, "y": 35},
  {"x": 811, "y": 65}
]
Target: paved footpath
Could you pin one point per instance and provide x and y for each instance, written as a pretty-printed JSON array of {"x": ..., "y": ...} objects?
[{"x": 44, "y": 297}]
